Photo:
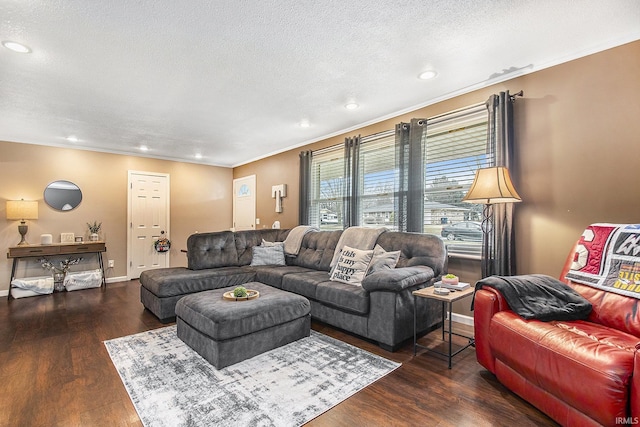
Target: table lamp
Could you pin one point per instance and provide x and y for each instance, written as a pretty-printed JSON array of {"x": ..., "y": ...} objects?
[{"x": 22, "y": 210}]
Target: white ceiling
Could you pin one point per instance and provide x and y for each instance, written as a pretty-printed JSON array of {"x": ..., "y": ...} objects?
[{"x": 232, "y": 80}]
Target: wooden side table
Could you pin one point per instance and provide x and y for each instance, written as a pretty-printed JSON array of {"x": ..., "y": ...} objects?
[{"x": 446, "y": 300}]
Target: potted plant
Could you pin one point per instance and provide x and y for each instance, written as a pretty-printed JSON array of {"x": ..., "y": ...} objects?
[
  {"x": 450, "y": 279},
  {"x": 94, "y": 229},
  {"x": 240, "y": 292}
]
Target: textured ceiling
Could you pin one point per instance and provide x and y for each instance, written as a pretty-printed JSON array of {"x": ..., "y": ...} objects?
[{"x": 232, "y": 80}]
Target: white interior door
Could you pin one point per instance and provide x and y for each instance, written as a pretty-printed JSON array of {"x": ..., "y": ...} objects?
[
  {"x": 148, "y": 218},
  {"x": 244, "y": 203}
]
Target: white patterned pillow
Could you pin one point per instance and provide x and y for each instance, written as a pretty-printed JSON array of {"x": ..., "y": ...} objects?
[
  {"x": 352, "y": 265},
  {"x": 383, "y": 260},
  {"x": 268, "y": 255}
]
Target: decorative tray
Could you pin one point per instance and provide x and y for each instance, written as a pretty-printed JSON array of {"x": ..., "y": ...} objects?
[{"x": 251, "y": 294}]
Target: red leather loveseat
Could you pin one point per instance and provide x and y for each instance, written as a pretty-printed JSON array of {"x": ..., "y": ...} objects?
[{"x": 580, "y": 372}]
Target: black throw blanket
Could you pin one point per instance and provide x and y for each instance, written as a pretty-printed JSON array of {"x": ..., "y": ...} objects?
[{"x": 537, "y": 296}]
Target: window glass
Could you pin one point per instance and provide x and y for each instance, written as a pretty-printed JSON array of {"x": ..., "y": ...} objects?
[
  {"x": 455, "y": 147},
  {"x": 378, "y": 181},
  {"x": 327, "y": 184}
]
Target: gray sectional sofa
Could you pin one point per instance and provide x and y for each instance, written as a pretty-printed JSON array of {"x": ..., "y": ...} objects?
[{"x": 380, "y": 310}]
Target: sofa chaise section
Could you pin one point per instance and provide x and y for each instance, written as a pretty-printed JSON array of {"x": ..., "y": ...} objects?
[{"x": 161, "y": 289}]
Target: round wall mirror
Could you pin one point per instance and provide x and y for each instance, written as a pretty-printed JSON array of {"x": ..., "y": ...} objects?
[{"x": 62, "y": 195}]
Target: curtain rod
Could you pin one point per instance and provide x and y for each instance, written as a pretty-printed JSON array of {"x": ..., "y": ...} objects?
[
  {"x": 513, "y": 97},
  {"x": 461, "y": 110},
  {"x": 470, "y": 107},
  {"x": 429, "y": 119},
  {"x": 457, "y": 114}
]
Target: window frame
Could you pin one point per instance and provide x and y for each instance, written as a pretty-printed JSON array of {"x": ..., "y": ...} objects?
[
  {"x": 444, "y": 133},
  {"x": 320, "y": 158}
]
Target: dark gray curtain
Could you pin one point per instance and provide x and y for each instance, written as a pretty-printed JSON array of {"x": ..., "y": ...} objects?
[
  {"x": 305, "y": 188},
  {"x": 499, "y": 257},
  {"x": 351, "y": 181},
  {"x": 409, "y": 198},
  {"x": 402, "y": 187}
]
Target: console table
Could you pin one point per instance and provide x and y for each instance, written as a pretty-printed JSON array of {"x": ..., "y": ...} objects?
[{"x": 38, "y": 251}]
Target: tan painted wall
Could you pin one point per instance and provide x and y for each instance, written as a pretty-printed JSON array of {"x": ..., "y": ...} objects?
[
  {"x": 200, "y": 198},
  {"x": 284, "y": 169},
  {"x": 579, "y": 134},
  {"x": 578, "y": 144}
]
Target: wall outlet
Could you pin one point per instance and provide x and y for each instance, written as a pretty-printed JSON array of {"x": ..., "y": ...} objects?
[
  {"x": 112, "y": 263},
  {"x": 257, "y": 221}
]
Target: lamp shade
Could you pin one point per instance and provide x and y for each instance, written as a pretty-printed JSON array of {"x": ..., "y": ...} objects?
[
  {"x": 492, "y": 185},
  {"x": 22, "y": 209}
]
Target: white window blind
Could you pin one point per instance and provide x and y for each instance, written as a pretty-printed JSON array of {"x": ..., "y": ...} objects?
[
  {"x": 456, "y": 146},
  {"x": 378, "y": 181},
  {"x": 327, "y": 184}
]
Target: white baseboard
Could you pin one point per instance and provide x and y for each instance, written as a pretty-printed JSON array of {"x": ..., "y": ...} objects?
[
  {"x": 461, "y": 318},
  {"x": 4, "y": 293}
]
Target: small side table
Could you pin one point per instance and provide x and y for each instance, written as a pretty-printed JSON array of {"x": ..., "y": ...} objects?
[{"x": 446, "y": 300}]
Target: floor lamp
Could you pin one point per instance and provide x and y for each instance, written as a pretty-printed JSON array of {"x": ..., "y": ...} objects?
[{"x": 490, "y": 186}]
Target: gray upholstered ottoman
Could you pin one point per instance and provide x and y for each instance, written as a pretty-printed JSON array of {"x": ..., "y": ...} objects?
[{"x": 227, "y": 332}]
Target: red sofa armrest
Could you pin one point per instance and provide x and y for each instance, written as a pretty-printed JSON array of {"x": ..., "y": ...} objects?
[
  {"x": 635, "y": 387},
  {"x": 488, "y": 302}
]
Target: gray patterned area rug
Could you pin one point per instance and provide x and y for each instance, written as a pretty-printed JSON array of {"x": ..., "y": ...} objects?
[{"x": 171, "y": 385}]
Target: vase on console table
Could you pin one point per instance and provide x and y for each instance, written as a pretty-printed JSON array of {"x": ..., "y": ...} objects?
[
  {"x": 94, "y": 229},
  {"x": 58, "y": 281}
]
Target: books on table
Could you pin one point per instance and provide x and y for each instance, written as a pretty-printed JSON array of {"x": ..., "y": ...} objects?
[{"x": 459, "y": 287}]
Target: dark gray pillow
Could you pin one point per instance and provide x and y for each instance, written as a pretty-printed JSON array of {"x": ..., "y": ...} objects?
[
  {"x": 383, "y": 260},
  {"x": 268, "y": 255}
]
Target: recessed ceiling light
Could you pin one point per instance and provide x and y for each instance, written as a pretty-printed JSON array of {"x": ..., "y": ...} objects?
[
  {"x": 72, "y": 138},
  {"x": 16, "y": 47},
  {"x": 305, "y": 124},
  {"x": 351, "y": 106},
  {"x": 427, "y": 75},
  {"x": 144, "y": 148},
  {"x": 198, "y": 156}
]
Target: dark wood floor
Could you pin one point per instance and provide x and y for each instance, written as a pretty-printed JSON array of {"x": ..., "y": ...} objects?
[{"x": 55, "y": 371}]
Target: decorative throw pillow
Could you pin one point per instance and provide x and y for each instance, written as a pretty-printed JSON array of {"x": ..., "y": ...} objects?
[
  {"x": 267, "y": 243},
  {"x": 383, "y": 260},
  {"x": 352, "y": 265},
  {"x": 268, "y": 255}
]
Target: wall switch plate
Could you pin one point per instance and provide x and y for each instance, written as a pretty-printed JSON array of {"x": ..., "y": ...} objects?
[{"x": 112, "y": 263}]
